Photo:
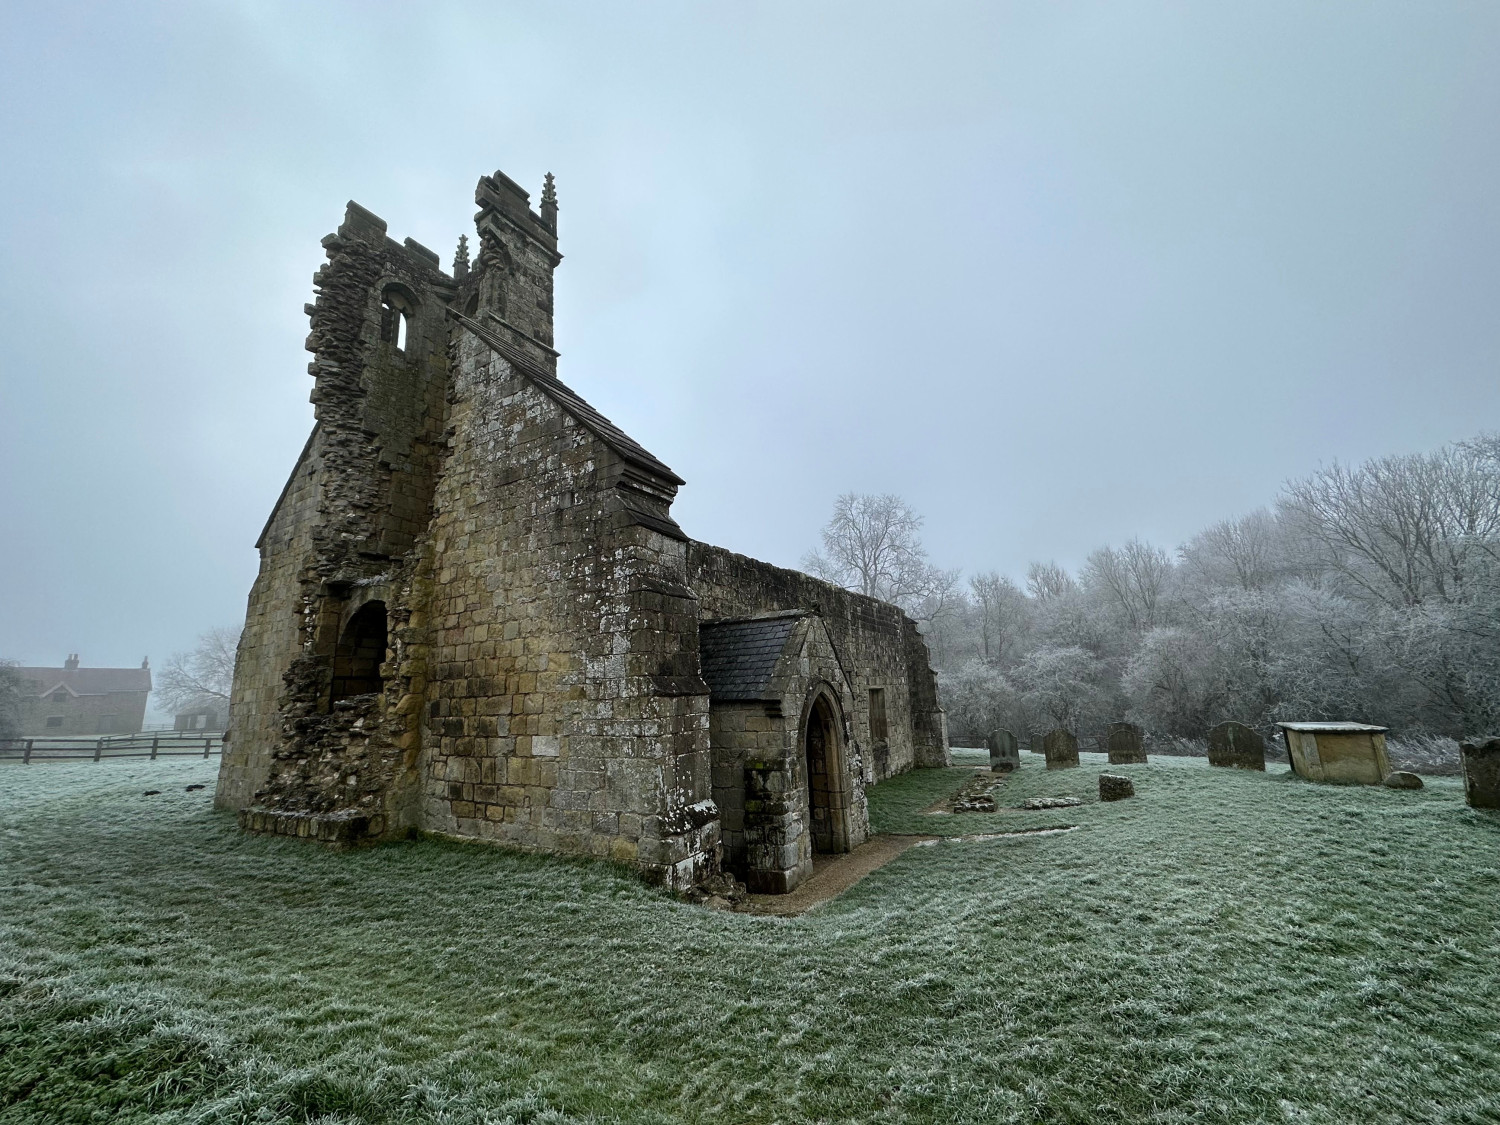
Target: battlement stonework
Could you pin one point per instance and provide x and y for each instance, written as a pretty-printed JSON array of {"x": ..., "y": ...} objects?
[{"x": 475, "y": 614}]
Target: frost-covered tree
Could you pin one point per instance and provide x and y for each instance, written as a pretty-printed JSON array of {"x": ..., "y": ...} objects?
[
  {"x": 200, "y": 677},
  {"x": 978, "y": 698},
  {"x": 10, "y": 699},
  {"x": 1000, "y": 614},
  {"x": 1066, "y": 687},
  {"x": 873, "y": 545}
]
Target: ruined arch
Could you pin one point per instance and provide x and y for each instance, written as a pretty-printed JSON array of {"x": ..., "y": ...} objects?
[
  {"x": 360, "y": 653},
  {"x": 824, "y": 753}
]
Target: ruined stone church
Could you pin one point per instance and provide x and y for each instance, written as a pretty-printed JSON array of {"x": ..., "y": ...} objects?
[{"x": 476, "y": 616}]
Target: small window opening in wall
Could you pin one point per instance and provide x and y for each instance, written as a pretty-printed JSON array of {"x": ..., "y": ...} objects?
[
  {"x": 878, "y": 729},
  {"x": 54, "y": 720},
  {"x": 361, "y": 651},
  {"x": 395, "y": 320}
]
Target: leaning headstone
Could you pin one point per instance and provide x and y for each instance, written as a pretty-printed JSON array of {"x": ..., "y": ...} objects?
[
  {"x": 1061, "y": 749},
  {"x": 1236, "y": 745},
  {"x": 1401, "y": 779},
  {"x": 1481, "y": 773},
  {"x": 1127, "y": 744},
  {"x": 1113, "y": 787},
  {"x": 1005, "y": 751}
]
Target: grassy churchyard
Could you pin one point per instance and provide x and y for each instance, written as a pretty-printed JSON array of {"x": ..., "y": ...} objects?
[{"x": 1225, "y": 947}]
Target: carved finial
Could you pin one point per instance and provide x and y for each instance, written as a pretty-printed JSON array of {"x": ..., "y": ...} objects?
[
  {"x": 549, "y": 203},
  {"x": 461, "y": 259}
]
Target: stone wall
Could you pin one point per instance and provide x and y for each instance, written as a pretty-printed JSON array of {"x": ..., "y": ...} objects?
[
  {"x": 119, "y": 712},
  {"x": 565, "y": 712},
  {"x": 876, "y": 642}
]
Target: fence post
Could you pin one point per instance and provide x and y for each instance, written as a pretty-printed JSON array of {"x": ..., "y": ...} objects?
[
  {"x": 26, "y": 760},
  {"x": 154, "y": 739},
  {"x": 207, "y": 742},
  {"x": 98, "y": 749}
]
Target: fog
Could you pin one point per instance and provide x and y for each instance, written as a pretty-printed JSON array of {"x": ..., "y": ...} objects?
[{"x": 1058, "y": 275}]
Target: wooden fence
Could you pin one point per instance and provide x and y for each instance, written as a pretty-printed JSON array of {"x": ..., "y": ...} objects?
[{"x": 150, "y": 744}]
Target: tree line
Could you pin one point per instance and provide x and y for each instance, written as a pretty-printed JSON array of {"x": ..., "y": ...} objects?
[{"x": 1368, "y": 592}]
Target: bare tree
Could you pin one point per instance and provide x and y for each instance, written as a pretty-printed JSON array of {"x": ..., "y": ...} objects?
[
  {"x": 202, "y": 676},
  {"x": 872, "y": 545},
  {"x": 1046, "y": 581},
  {"x": 1133, "y": 579},
  {"x": 1403, "y": 530},
  {"x": 1244, "y": 552},
  {"x": 1002, "y": 613}
]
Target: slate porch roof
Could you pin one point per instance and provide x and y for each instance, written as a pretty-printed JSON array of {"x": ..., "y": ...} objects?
[{"x": 739, "y": 656}]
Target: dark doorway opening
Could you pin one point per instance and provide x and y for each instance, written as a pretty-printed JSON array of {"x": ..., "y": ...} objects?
[
  {"x": 825, "y": 781},
  {"x": 361, "y": 651}
]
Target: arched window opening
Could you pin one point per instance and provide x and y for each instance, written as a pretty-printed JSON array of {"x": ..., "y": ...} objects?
[
  {"x": 825, "y": 788},
  {"x": 395, "y": 318},
  {"x": 472, "y": 308},
  {"x": 361, "y": 651}
]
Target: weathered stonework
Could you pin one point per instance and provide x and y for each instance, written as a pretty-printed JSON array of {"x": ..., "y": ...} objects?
[
  {"x": 1061, "y": 748},
  {"x": 1236, "y": 746},
  {"x": 1005, "y": 751},
  {"x": 1482, "y": 772},
  {"x": 476, "y": 616},
  {"x": 1126, "y": 744},
  {"x": 1113, "y": 787}
]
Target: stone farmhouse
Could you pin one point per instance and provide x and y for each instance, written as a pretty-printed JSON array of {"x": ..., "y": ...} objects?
[
  {"x": 476, "y": 616},
  {"x": 76, "y": 701}
]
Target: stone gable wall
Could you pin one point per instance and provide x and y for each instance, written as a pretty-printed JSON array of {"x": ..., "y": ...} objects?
[{"x": 558, "y": 716}]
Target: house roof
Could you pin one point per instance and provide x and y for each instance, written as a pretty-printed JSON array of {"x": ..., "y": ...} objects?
[
  {"x": 739, "y": 657},
  {"x": 1334, "y": 728},
  {"x": 89, "y": 681},
  {"x": 605, "y": 430}
]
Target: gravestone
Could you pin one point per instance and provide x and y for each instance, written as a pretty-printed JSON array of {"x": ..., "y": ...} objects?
[
  {"x": 1005, "y": 751},
  {"x": 1127, "y": 744},
  {"x": 1113, "y": 787},
  {"x": 1061, "y": 749},
  {"x": 1481, "y": 773},
  {"x": 1237, "y": 746}
]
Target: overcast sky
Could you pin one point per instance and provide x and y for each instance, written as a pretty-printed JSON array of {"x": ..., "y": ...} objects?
[{"x": 1057, "y": 273}]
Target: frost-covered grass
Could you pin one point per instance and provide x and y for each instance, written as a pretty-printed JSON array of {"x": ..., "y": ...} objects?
[{"x": 1226, "y": 947}]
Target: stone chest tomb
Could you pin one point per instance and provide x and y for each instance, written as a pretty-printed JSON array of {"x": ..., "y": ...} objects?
[
  {"x": 475, "y": 614},
  {"x": 1348, "y": 753}
]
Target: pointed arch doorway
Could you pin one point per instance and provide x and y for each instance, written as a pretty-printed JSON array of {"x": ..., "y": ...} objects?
[{"x": 827, "y": 784}]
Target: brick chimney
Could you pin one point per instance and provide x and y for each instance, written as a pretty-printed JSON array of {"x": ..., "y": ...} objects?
[{"x": 71, "y": 663}]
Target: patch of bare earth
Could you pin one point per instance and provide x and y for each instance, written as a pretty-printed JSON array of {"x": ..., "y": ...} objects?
[{"x": 832, "y": 875}]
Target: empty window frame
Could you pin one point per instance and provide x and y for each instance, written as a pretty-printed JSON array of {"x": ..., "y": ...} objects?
[
  {"x": 395, "y": 319},
  {"x": 54, "y": 720},
  {"x": 878, "y": 728}
]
